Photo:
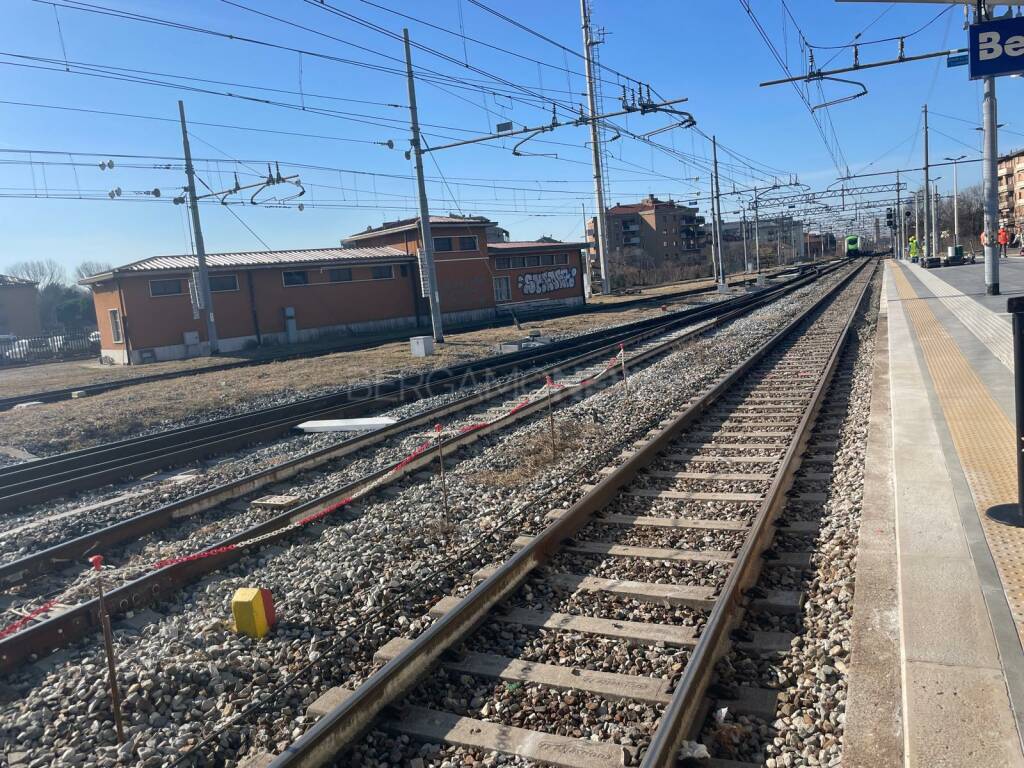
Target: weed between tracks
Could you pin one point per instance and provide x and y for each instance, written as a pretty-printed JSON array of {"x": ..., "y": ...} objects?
[{"x": 533, "y": 455}]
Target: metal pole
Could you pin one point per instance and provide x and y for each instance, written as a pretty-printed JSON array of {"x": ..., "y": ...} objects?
[
  {"x": 956, "y": 208},
  {"x": 108, "y": 643},
  {"x": 203, "y": 289},
  {"x": 550, "y": 386},
  {"x": 1015, "y": 307},
  {"x": 989, "y": 162},
  {"x": 426, "y": 239},
  {"x": 718, "y": 213},
  {"x": 757, "y": 236},
  {"x": 778, "y": 242},
  {"x": 743, "y": 226},
  {"x": 917, "y": 220},
  {"x": 440, "y": 466},
  {"x": 898, "y": 254},
  {"x": 595, "y": 146},
  {"x": 928, "y": 245},
  {"x": 935, "y": 221}
]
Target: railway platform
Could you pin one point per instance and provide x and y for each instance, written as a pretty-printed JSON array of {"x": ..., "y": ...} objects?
[{"x": 937, "y": 677}]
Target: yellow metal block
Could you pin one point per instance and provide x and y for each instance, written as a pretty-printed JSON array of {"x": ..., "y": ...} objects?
[{"x": 248, "y": 610}]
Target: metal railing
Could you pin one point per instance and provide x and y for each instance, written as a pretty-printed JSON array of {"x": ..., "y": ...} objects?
[{"x": 38, "y": 349}]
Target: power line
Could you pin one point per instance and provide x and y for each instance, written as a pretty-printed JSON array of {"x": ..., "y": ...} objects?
[
  {"x": 836, "y": 153},
  {"x": 545, "y": 38},
  {"x": 108, "y": 113}
]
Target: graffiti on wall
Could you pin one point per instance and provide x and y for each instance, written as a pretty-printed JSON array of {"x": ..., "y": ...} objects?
[{"x": 546, "y": 282}]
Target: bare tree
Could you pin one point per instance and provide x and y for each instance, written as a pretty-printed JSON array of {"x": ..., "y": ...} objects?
[
  {"x": 43, "y": 271},
  {"x": 90, "y": 268}
]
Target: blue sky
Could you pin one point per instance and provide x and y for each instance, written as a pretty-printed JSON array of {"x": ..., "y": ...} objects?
[{"x": 710, "y": 53}]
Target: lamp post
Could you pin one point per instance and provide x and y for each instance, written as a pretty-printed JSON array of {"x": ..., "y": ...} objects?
[{"x": 956, "y": 202}]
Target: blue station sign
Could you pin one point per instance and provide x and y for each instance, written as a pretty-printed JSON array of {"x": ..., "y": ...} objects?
[{"x": 996, "y": 48}]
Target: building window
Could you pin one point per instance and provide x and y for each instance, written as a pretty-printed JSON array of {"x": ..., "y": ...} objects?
[
  {"x": 443, "y": 244},
  {"x": 404, "y": 270},
  {"x": 385, "y": 272},
  {"x": 222, "y": 283},
  {"x": 116, "y": 332},
  {"x": 561, "y": 258},
  {"x": 165, "y": 287},
  {"x": 502, "y": 262},
  {"x": 502, "y": 289},
  {"x": 340, "y": 275},
  {"x": 295, "y": 277},
  {"x": 518, "y": 262},
  {"x": 467, "y": 243},
  {"x": 547, "y": 259},
  {"x": 533, "y": 261}
]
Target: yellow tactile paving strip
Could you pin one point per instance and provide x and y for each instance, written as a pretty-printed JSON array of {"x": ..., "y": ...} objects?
[{"x": 984, "y": 438}]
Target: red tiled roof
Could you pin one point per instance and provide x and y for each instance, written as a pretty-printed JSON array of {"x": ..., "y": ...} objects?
[
  {"x": 534, "y": 245},
  {"x": 256, "y": 259},
  {"x": 402, "y": 225}
]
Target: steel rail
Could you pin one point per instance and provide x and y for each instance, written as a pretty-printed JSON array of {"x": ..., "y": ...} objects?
[
  {"x": 23, "y": 569},
  {"x": 44, "y": 479},
  {"x": 51, "y": 634},
  {"x": 342, "y": 725},
  {"x": 682, "y": 717}
]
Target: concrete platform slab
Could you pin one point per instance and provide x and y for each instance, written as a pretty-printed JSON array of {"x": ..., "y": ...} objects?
[{"x": 937, "y": 666}]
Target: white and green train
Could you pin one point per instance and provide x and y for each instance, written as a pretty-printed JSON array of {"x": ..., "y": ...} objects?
[{"x": 852, "y": 246}]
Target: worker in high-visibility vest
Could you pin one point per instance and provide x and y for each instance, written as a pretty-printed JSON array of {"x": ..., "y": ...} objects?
[
  {"x": 913, "y": 248},
  {"x": 1003, "y": 237}
]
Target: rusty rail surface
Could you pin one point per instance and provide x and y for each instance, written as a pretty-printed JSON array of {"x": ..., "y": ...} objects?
[
  {"x": 341, "y": 726},
  {"x": 51, "y": 634},
  {"x": 56, "y": 476}
]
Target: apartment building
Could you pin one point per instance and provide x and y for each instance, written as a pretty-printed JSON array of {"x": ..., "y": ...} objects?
[
  {"x": 660, "y": 229},
  {"x": 1011, "y": 190}
]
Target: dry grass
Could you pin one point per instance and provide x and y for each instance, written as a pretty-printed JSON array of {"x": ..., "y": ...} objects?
[
  {"x": 72, "y": 424},
  {"x": 534, "y": 455}
]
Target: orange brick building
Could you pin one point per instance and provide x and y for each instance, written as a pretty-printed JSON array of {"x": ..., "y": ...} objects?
[
  {"x": 19, "y": 307},
  {"x": 480, "y": 273},
  {"x": 147, "y": 310}
]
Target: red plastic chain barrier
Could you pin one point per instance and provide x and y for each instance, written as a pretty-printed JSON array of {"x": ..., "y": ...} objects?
[
  {"x": 416, "y": 452},
  {"x": 196, "y": 556},
  {"x": 519, "y": 407},
  {"x": 325, "y": 512},
  {"x": 16, "y": 626},
  {"x": 13, "y": 627}
]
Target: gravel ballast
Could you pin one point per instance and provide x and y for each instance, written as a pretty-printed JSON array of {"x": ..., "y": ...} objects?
[{"x": 186, "y": 674}]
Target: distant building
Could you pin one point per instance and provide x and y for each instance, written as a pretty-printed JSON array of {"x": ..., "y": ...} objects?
[
  {"x": 1011, "y": 190},
  {"x": 19, "y": 307},
  {"x": 662, "y": 229},
  {"x": 147, "y": 310}
]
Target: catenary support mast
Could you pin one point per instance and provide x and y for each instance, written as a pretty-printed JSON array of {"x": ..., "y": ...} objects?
[
  {"x": 600, "y": 217},
  {"x": 426, "y": 239},
  {"x": 203, "y": 289}
]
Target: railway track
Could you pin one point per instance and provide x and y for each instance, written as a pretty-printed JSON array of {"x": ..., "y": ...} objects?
[
  {"x": 579, "y": 378},
  {"x": 683, "y": 525},
  {"x": 57, "y": 476},
  {"x": 66, "y": 393}
]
